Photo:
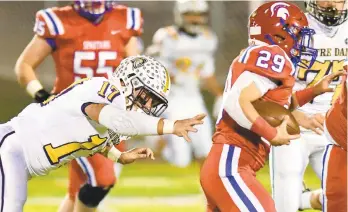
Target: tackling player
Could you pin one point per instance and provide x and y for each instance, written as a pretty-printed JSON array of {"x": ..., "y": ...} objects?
[
  {"x": 334, "y": 175},
  {"x": 85, "y": 39},
  {"x": 85, "y": 119},
  {"x": 279, "y": 36},
  {"x": 328, "y": 19},
  {"x": 187, "y": 50}
]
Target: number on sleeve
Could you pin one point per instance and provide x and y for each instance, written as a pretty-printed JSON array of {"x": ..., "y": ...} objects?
[
  {"x": 278, "y": 61},
  {"x": 39, "y": 27},
  {"x": 113, "y": 94}
]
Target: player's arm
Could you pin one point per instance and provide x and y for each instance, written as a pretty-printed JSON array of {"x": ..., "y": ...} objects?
[
  {"x": 302, "y": 97},
  {"x": 42, "y": 44},
  {"x": 133, "y": 123},
  {"x": 134, "y": 46},
  {"x": 32, "y": 56},
  {"x": 248, "y": 88}
]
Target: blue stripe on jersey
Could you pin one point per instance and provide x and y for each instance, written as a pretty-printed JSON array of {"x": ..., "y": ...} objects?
[
  {"x": 52, "y": 43},
  {"x": 233, "y": 181},
  {"x": 54, "y": 24},
  {"x": 133, "y": 19},
  {"x": 245, "y": 53},
  {"x": 89, "y": 181}
]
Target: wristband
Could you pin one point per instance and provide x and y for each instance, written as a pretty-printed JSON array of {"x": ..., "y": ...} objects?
[
  {"x": 305, "y": 96},
  {"x": 165, "y": 126},
  {"x": 33, "y": 87},
  {"x": 168, "y": 126},
  {"x": 114, "y": 154},
  {"x": 263, "y": 129}
]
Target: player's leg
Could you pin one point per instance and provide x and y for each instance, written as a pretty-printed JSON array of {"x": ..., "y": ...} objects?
[
  {"x": 77, "y": 179},
  {"x": 13, "y": 174},
  {"x": 334, "y": 181},
  {"x": 100, "y": 179},
  {"x": 287, "y": 166},
  {"x": 316, "y": 146},
  {"x": 177, "y": 152},
  {"x": 229, "y": 182}
]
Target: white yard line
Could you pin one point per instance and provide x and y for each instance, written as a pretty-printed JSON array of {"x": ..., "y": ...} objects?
[{"x": 186, "y": 200}]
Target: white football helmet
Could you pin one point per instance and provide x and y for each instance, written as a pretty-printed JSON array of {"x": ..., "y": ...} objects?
[
  {"x": 143, "y": 78},
  {"x": 185, "y": 8}
]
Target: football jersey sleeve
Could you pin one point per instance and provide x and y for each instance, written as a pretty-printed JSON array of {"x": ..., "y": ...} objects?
[
  {"x": 101, "y": 91},
  {"x": 48, "y": 24},
  {"x": 268, "y": 61},
  {"x": 135, "y": 21}
]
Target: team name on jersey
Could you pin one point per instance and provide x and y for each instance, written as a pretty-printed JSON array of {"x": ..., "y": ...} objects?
[
  {"x": 327, "y": 52},
  {"x": 96, "y": 44}
]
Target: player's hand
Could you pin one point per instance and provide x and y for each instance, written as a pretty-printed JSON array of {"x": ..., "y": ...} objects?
[
  {"x": 323, "y": 85},
  {"x": 41, "y": 96},
  {"x": 135, "y": 154},
  {"x": 314, "y": 123},
  {"x": 183, "y": 127},
  {"x": 283, "y": 137}
]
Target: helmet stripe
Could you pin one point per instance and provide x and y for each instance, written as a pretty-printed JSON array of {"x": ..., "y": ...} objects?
[{"x": 166, "y": 86}]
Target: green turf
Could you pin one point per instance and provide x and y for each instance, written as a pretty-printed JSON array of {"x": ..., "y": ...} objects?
[{"x": 143, "y": 180}]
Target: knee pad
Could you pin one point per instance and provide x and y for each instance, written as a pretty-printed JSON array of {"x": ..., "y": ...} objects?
[{"x": 92, "y": 196}]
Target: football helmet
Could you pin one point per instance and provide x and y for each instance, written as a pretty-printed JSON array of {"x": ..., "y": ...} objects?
[
  {"x": 143, "y": 80},
  {"x": 285, "y": 25},
  {"x": 330, "y": 13},
  {"x": 92, "y": 9},
  {"x": 191, "y": 15}
]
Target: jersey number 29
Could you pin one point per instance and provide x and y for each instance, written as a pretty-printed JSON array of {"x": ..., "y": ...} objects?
[{"x": 277, "y": 63}]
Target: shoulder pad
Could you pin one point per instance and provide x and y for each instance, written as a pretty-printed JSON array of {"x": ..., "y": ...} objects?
[{"x": 48, "y": 24}]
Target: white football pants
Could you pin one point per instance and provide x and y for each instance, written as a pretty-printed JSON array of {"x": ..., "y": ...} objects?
[
  {"x": 287, "y": 167},
  {"x": 13, "y": 172}
]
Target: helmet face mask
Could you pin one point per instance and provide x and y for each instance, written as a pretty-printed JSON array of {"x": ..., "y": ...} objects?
[
  {"x": 191, "y": 15},
  {"x": 329, "y": 13},
  {"x": 92, "y": 9},
  {"x": 145, "y": 83},
  {"x": 147, "y": 100}
]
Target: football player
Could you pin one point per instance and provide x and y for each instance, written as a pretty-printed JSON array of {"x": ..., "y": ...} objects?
[
  {"x": 334, "y": 177},
  {"x": 187, "y": 50},
  {"x": 328, "y": 19},
  {"x": 85, "y": 39},
  {"x": 279, "y": 36},
  {"x": 84, "y": 119}
]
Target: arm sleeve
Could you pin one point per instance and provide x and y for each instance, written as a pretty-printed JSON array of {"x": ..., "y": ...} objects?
[
  {"x": 129, "y": 123},
  {"x": 101, "y": 91},
  {"x": 48, "y": 25},
  {"x": 135, "y": 21},
  {"x": 231, "y": 104},
  {"x": 268, "y": 61}
]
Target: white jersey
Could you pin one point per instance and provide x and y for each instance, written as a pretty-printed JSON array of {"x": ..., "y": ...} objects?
[
  {"x": 57, "y": 131},
  {"x": 187, "y": 58},
  {"x": 332, "y": 51}
]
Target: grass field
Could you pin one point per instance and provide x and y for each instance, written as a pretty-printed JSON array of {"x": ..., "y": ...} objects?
[{"x": 145, "y": 187}]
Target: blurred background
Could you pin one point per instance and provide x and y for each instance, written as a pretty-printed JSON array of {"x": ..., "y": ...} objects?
[{"x": 143, "y": 186}]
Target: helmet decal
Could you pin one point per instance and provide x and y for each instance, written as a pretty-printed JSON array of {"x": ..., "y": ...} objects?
[
  {"x": 138, "y": 62},
  {"x": 281, "y": 10}
]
